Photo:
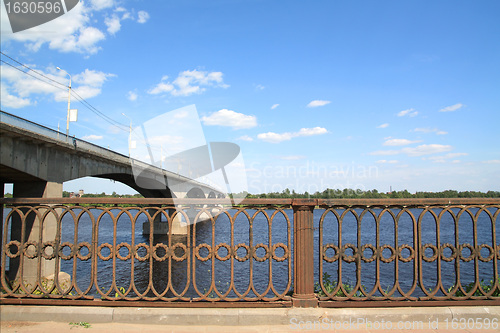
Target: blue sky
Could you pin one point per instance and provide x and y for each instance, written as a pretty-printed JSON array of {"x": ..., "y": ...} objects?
[{"x": 337, "y": 94}]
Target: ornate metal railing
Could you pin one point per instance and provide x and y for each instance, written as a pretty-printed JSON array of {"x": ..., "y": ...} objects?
[
  {"x": 264, "y": 252},
  {"x": 412, "y": 250}
]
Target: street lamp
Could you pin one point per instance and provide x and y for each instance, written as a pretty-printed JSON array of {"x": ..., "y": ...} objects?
[
  {"x": 130, "y": 133},
  {"x": 69, "y": 97}
]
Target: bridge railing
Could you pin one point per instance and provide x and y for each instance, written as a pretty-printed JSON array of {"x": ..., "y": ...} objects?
[
  {"x": 40, "y": 130},
  {"x": 264, "y": 252}
]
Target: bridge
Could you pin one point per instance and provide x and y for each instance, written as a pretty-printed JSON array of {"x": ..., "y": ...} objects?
[{"x": 38, "y": 160}]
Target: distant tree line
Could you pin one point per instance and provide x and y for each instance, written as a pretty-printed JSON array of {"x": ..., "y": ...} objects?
[
  {"x": 353, "y": 194},
  {"x": 66, "y": 194}
]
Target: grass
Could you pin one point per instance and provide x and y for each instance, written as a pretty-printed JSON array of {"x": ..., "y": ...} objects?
[
  {"x": 485, "y": 286},
  {"x": 330, "y": 286},
  {"x": 46, "y": 284},
  {"x": 81, "y": 324},
  {"x": 122, "y": 290},
  {"x": 117, "y": 295}
]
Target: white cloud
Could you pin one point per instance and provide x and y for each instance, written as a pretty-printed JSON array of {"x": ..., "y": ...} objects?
[
  {"x": 245, "y": 138},
  {"x": 113, "y": 24},
  {"x": 162, "y": 87},
  {"x": 492, "y": 162},
  {"x": 15, "y": 83},
  {"x": 83, "y": 41},
  {"x": 91, "y": 82},
  {"x": 311, "y": 131},
  {"x": 425, "y": 129},
  {"x": 126, "y": 16},
  {"x": 260, "y": 87},
  {"x": 277, "y": 138},
  {"x": 444, "y": 158},
  {"x": 399, "y": 142},
  {"x": 83, "y": 91},
  {"x": 430, "y": 130},
  {"x": 292, "y": 157},
  {"x": 132, "y": 96},
  {"x": 317, "y": 103},
  {"x": 453, "y": 155},
  {"x": 385, "y": 152},
  {"x": 70, "y": 32},
  {"x": 387, "y": 161},
  {"x": 426, "y": 149},
  {"x": 142, "y": 16},
  {"x": 10, "y": 101},
  {"x": 92, "y": 78},
  {"x": 78, "y": 31},
  {"x": 188, "y": 83},
  {"x": 408, "y": 112},
  {"x": 230, "y": 118},
  {"x": 92, "y": 137},
  {"x": 274, "y": 106},
  {"x": 451, "y": 108},
  {"x": 416, "y": 151},
  {"x": 383, "y": 125},
  {"x": 101, "y": 4}
]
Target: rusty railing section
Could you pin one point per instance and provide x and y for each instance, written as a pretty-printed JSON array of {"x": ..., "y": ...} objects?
[
  {"x": 200, "y": 252},
  {"x": 409, "y": 250}
]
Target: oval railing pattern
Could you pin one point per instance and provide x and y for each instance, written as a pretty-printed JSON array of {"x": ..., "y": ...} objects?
[{"x": 286, "y": 252}]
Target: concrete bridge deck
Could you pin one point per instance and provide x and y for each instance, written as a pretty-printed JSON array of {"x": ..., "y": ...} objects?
[{"x": 125, "y": 319}]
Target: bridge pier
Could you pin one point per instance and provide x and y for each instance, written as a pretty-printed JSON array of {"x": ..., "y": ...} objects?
[
  {"x": 178, "y": 227},
  {"x": 161, "y": 228},
  {"x": 36, "y": 230}
]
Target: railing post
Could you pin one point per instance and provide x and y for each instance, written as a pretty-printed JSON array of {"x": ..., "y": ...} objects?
[{"x": 303, "y": 249}]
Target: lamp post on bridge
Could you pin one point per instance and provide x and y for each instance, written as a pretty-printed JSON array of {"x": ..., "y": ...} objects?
[
  {"x": 129, "y": 134},
  {"x": 69, "y": 101}
]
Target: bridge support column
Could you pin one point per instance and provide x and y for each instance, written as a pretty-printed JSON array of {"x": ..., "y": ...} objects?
[
  {"x": 178, "y": 226},
  {"x": 152, "y": 212},
  {"x": 35, "y": 230},
  {"x": 157, "y": 228},
  {"x": 161, "y": 228}
]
